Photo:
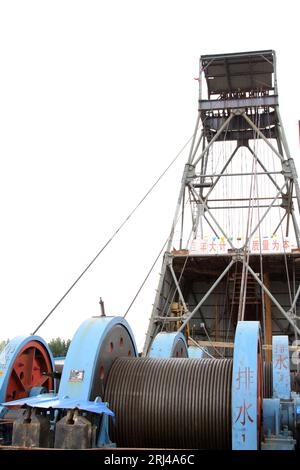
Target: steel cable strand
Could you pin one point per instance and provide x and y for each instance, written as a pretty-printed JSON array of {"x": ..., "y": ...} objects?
[
  {"x": 159, "y": 391},
  {"x": 112, "y": 237}
]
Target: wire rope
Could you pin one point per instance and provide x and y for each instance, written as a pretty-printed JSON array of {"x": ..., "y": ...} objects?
[{"x": 112, "y": 236}]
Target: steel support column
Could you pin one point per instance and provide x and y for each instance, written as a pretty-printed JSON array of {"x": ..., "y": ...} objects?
[{"x": 191, "y": 314}]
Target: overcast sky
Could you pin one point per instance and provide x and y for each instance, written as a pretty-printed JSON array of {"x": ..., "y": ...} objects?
[{"x": 96, "y": 98}]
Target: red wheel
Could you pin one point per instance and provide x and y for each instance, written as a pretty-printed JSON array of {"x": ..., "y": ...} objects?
[{"x": 28, "y": 370}]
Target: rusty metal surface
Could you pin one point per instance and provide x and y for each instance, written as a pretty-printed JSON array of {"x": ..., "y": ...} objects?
[
  {"x": 74, "y": 432},
  {"x": 115, "y": 344},
  {"x": 171, "y": 403},
  {"x": 32, "y": 429}
]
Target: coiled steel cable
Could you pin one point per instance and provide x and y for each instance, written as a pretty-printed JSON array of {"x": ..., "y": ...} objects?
[{"x": 170, "y": 403}]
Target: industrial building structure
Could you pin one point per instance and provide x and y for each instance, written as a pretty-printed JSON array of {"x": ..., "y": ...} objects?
[{"x": 219, "y": 368}]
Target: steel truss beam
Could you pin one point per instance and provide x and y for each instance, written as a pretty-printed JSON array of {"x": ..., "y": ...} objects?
[
  {"x": 238, "y": 103},
  {"x": 221, "y": 118},
  {"x": 280, "y": 190},
  {"x": 222, "y": 172},
  {"x": 224, "y": 125},
  {"x": 212, "y": 288},
  {"x": 264, "y": 215},
  {"x": 177, "y": 286},
  {"x": 264, "y": 168},
  {"x": 213, "y": 218},
  {"x": 287, "y": 314}
]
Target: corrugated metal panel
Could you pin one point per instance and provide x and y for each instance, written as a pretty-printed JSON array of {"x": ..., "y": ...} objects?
[
  {"x": 239, "y": 72},
  {"x": 46, "y": 401}
]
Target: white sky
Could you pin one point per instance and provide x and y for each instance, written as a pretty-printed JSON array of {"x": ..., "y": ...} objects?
[{"x": 96, "y": 98}]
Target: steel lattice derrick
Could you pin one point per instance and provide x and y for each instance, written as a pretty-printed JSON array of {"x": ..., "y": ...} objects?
[{"x": 239, "y": 187}]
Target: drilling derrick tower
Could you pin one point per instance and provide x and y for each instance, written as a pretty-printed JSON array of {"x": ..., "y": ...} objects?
[{"x": 234, "y": 246}]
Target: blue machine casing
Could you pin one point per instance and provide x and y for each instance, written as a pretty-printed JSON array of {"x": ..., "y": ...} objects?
[
  {"x": 281, "y": 367},
  {"x": 82, "y": 355},
  {"x": 196, "y": 353},
  {"x": 245, "y": 386},
  {"x": 281, "y": 418},
  {"x": 165, "y": 344},
  {"x": 9, "y": 354},
  {"x": 49, "y": 400}
]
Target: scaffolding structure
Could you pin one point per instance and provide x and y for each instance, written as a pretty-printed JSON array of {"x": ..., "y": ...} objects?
[{"x": 234, "y": 246}]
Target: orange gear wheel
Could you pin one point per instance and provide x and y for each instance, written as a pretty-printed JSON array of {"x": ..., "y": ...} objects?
[{"x": 29, "y": 370}]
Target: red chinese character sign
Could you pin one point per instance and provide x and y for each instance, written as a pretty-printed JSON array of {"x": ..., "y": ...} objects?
[
  {"x": 246, "y": 387},
  {"x": 215, "y": 245},
  {"x": 274, "y": 244},
  {"x": 281, "y": 367},
  {"x": 210, "y": 246}
]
